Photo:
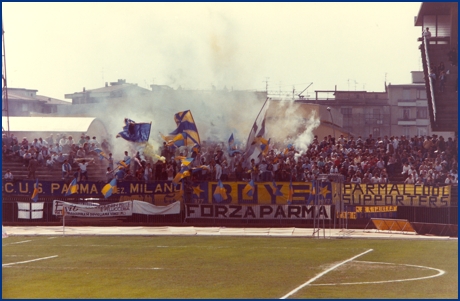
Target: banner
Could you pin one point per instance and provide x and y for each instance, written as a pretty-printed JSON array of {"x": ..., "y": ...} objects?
[
  {"x": 163, "y": 193},
  {"x": 396, "y": 195},
  {"x": 356, "y": 212},
  {"x": 30, "y": 210},
  {"x": 115, "y": 209},
  {"x": 110, "y": 210},
  {"x": 258, "y": 212}
]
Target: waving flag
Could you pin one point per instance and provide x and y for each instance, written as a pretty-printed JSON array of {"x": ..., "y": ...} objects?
[
  {"x": 249, "y": 189},
  {"x": 72, "y": 187},
  {"x": 35, "y": 192},
  {"x": 232, "y": 150},
  {"x": 184, "y": 172},
  {"x": 275, "y": 189},
  {"x": 135, "y": 132},
  {"x": 258, "y": 130},
  {"x": 178, "y": 140},
  {"x": 220, "y": 193},
  {"x": 101, "y": 154},
  {"x": 196, "y": 148},
  {"x": 187, "y": 161},
  {"x": 186, "y": 127},
  {"x": 124, "y": 163},
  {"x": 109, "y": 188}
]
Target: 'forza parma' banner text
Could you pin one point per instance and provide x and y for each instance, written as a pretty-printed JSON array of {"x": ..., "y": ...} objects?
[
  {"x": 258, "y": 211},
  {"x": 396, "y": 195}
]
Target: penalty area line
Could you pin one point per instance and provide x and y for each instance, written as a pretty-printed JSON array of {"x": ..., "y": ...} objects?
[
  {"x": 323, "y": 273},
  {"x": 27, "y": 261}
]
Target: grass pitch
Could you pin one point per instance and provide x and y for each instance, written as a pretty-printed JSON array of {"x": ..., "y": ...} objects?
[{"x": 226, "y": 267}]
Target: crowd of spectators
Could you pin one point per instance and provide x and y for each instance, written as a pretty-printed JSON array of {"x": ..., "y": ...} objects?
[
  {"x": 430, "y": 160},
  {"x": 61, "y": 152}
]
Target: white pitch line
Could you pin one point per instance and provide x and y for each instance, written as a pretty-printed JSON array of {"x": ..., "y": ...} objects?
[
  {"x": 440, "y": 273},
  {"x": 20, "y": 242},
  {"x": 15, "y": 243},
  {"x": 323, "y": 273},
  {"x": 27, "y": 261}
]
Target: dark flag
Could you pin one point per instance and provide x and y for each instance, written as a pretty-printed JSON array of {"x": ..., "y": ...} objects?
[{"x": 135, "y": 132}]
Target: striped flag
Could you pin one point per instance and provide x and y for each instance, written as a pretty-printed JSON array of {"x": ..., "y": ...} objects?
[
  {"x": 249, "y": 189},
  {"x": 109, "y": 188},
  {"x": 72, "y": 187},
  {"x": 275, "y": 189},
  {"x": 35, "y": 192},
  {"x": 220, "y": 193}
]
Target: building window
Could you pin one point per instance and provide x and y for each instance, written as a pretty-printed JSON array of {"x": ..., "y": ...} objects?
[
  {"x": 346, "y": 111},
  {"x": 421, "y": 94},
  {"x": 422, "y": 113},
  {"x": 376, "y": 113},
  {"x": 406, "y": 131},
  {"x": 24, "y": 107},
  {"x": 422, "y": 131},
  {"x": 406, "y": 94},
  {"x": 406, "y": 114}
]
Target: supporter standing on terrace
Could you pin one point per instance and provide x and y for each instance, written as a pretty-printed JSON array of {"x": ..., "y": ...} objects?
[
  {"x": 50, "y": 140},
  {"x": 83, "y": 169},
  {"x": 218, "y": 169},
  {"x": 148, "y": 173},
  {"x": 33, "y": 166},
  {"x": 8, "y": 176},
  {"x": 66, "y": 169}
]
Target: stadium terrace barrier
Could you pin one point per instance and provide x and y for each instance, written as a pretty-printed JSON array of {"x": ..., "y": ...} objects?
[{"x": 348, "y": 205}]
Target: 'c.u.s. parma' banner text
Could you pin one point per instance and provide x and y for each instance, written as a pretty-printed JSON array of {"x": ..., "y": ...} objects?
[
  {"x": 258, "y": 211},
  {"x": 162, "y": 193},
  {"x": 396, "y": 195}
]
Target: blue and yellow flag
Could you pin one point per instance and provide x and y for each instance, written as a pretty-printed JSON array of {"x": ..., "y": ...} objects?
[
  {"x": 72, "y": 187},
  {"x": 220, "y": 193},
  {"x": 275, "y": 189},
  {"x": 232, "y": 150},
  {"x": 35, "y": 192},
  {"x": 177, "y": 140},
  {"x": 124, "y": 164},
  {"x": 253, "y": 150},
  {"x": 101, "y": 154},
  {"x": 184, "y": 172},
  {"x": 186, "y": 124},
  {"x": 109, "y": 188},
  {"x": 249, "y": 189},
  {"x": 135, "y": 132}
]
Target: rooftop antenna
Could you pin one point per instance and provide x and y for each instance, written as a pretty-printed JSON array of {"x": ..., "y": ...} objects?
[
  {"x": 266, "y": 84},
  {"x": 300, "y": 94}
]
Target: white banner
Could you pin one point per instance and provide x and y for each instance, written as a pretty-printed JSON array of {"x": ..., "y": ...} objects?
[
  {"x": 258, "y": 211},
  {"x": 30, "y": 210},
  {"x": 126, "y": 208},
  {"x": 141, "y": 207},
  {"x": 110, "y": 210}
]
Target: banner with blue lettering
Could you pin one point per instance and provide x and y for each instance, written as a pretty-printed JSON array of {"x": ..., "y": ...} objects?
[{"x": 162, "y": 193}]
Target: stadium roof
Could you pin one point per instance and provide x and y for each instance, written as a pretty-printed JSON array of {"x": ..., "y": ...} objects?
[{"x": 54, "y": 124}]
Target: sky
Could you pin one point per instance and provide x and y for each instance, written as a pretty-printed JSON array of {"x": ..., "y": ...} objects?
[{"x": 59, "y": 48}]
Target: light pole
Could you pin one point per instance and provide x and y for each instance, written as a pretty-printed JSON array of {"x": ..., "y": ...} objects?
[{"x": 332, "y": 121}]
